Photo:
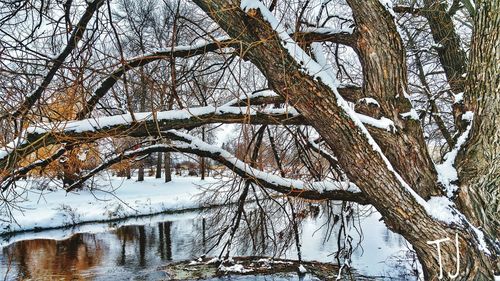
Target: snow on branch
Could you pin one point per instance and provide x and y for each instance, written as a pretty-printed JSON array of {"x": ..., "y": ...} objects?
[
  {"x": 324, "y": 190},
  {"x": 439, "y": 208},
  {"x": 447, "y": 174},
  {"x": 269, "y": 97},
  {"x": 145, "y": 124},
  {"x": 328, "y": 30},
  {"x": 182, "y": 118},
  {"x": 256, "y": 98}
]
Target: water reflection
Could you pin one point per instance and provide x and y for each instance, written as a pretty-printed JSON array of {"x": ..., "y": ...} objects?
[
  {"x": 66, "y": 259},
  {"x": 165, "y": 242},
  {"x": 121, "y": 252},
  {"x": 138, "y": 252}
]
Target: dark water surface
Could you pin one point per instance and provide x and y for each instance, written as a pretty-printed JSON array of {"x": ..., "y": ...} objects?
[{"x": 139, "y": 248}]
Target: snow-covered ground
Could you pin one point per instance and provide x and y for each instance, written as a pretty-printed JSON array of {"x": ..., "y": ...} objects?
[
  {"x": 380, "y": 249},
  {"x": 50, "y": 209}
]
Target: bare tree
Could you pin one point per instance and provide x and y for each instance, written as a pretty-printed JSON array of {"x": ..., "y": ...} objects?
[{"x": 355, "y": 93}]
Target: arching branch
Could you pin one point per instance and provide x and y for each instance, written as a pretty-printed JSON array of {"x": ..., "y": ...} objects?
[
  {"x": 177, "y": 52},
  {"x": 326, "y": 190}
]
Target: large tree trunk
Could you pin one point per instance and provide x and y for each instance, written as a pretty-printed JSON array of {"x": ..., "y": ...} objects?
[
  {"x": 479, "y": 164},
  {"x": 381, "y": 179},
  {"x": 382, "y": 56},
  {"x": 451, "y": 55}
]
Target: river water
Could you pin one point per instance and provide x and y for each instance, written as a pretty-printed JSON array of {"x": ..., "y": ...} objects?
[{"x": 136, "y": 249}]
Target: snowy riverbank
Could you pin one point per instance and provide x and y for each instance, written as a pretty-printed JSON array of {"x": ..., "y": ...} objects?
[{"x": 51, "y": 209}]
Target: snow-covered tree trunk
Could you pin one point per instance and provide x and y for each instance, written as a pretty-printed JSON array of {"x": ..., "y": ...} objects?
[{"x": 393, "y": 169}]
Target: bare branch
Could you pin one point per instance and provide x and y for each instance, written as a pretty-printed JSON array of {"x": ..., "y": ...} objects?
[
  {"x": 76, "y": 36},
  {"x": 178, "y": 52}
]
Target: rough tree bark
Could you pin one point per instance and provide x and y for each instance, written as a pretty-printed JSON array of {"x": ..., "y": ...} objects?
[
  {"x": 451, "y": 55},
  {"x": 385, "y": 79},
  {"x": 479, "y": 164}
]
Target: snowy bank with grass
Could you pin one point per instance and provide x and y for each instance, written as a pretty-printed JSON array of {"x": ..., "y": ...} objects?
[{"x": 112, "y": 198}]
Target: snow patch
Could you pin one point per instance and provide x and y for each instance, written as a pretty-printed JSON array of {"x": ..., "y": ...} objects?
[
  {"x": 237, "y": 268},
  {"x": 412, "y": 115},
  {"x": 382, "y": 123},
  {"x": 369, "y": 101},
  {"x": 129, "y": 198},
  {"x": 441, "y": 208},
  {"x": 458, "y": 98}
]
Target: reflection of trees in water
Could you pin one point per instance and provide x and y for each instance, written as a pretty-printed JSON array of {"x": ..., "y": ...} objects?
[
  {"x": 266, "y": 229},
  {"x": 165, "y": 240},
  {"x": 402, "y": 266},
  {"x": 271, "y": 225},
  {"x": 138, "y": 243},
  {"x": 58, "y": 259},
  {"x": 135, "y": 237},
  {"x": 392, "y": 239}
]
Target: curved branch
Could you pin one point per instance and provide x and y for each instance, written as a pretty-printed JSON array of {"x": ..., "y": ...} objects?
[
  {"x": 313, "y": 35},
  {"x": 177, "y": 52},
  {"x": 326, "y": 190}
]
